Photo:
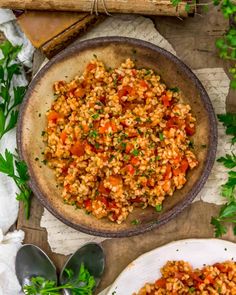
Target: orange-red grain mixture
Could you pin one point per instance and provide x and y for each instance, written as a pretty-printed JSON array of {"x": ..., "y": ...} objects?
[
  {"x": 179, "y": 278},
  {"x": 118, "y": 138}
]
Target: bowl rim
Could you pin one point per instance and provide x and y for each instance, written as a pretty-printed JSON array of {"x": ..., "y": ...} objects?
[{"x": 211, "y": 153}]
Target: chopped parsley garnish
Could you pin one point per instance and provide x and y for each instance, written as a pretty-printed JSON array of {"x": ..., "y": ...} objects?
[
  {"x": 135, "y": 152},
  {"x": 137, "y": 119},
  {"x": 126, "y": 157},
  {"x": 135, "y": 221},
  {"x": 148, "y": 72},
  {"x": 174, "y": 89},
  {"x": 149, "y": 120},
  {"x": 123, "y": 145},
  {"x": 158, "y": 208},
  {"x": 191, "y": 289},
  {"x": 157, "y": 158},
  {"x": 203, "y": 146},
  {"x": 93, "y": 133},
  {"x": 99, "y": 103},
  {"x": 140, "y": 132},
  {"x": 191, "y": 144},
  {"x": 115, "y": 82},
  {"x": 95, "y": 56},
  {"x": 44, "y": 161},
  {"x": 43, "y": 133},
  {"x": 111, "y": 158},
  {"x": 96, "y": 145},
  {"x": 161, "y": 136},
  {"x": 95, "y": 116}
]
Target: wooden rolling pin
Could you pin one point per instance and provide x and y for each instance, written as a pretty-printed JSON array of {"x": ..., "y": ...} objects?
[{"x": 148, "y": 7}]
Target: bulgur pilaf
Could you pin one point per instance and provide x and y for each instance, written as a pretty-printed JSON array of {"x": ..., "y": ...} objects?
[
  {"x": 178, "y": 277},
  {"x": 118, "y": 138}
]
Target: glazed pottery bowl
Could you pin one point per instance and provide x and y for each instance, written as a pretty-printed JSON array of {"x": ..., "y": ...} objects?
[{"x": 112, "y": 51}]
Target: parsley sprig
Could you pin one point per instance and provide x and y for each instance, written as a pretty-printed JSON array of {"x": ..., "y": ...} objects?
[
  {"x": 17, "y": 170},
  {"x": 10, "y": 96},
  {"x": 83, "y": 284},
  {"x": 227, "y": 214}
]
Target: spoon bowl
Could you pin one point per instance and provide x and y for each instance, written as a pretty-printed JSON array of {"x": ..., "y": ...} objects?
[
  {"x": 93, "y": 257},
  {"x": 31, "y": 261}
]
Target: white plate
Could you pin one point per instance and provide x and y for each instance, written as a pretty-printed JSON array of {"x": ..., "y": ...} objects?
[{"x": 146, "y": 268}]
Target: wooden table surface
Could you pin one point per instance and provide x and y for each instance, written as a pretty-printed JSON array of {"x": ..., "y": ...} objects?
[{"x": 194, "y": 41}]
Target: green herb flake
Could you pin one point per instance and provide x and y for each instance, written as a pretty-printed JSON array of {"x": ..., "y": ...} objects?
[
  {"x": 93, "y": 133},
  {"x": 191, "y": 289},
  {"x": 157, "y": 158},
  {"x": 36, "y": 159},
  {"x": 135, "y": 222},
  {"x": 135, "y": 152},
  {"x": 174, "y": 89},
  {"x": 148, "y": 72},
  {"x": 43, "y": 133},
  {"x": 138, "y": 119},
  {"x": 161, "y": 136},
  {"x": 39, "y": 114},
  {"x": 95, "y": 116},
  {"x": 158, "y": 208},
  {"x": 97, "y": 145},
  {"x": 44, "y": 162},
  {"x": 203, "y": 146},
  {"x": 95, "y": 56}
]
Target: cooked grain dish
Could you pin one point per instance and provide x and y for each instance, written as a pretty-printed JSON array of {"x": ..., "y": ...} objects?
[
  {"x": 178, "y": 277},
  {"x": 118, "y": 139}
]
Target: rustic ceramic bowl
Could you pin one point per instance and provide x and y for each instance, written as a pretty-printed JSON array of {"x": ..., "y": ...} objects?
[{"x": 112, "y": 51}]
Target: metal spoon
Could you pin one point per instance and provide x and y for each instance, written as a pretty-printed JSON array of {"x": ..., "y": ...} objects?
[
  {"x": 31, "y": 261},
  {"x": 93, "y": 257}
]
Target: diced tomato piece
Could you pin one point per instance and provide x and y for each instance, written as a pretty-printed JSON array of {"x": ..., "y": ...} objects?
[
  {"x": 103, "y": 129},
  {"x": 168, "y": 172},
  {"x": 120, "y": 77},
  {"x": 189, "y": 130},
  {"x": 115, "y": 180},
  {"x": 103, "y": 200},
  {"x": 125, "y": 91},
  {"x": 176, "y": 171},
  {"x": 222, "y": 267},
  {"x": 64, "y": 171},
  {"x": 134, "y": 72},
  {"x": 63, "y": 136},
  {"x": 150, "y": 182},
  {"x": 88, "y": 205},
  {"x": 136, "y": 200},
  {"x": 143, "y": 83},
  {"x": 90, "y": 67},
  {"x": 79, "y": 92},
  {"x": 53, "y": 116},
  {"x": 161, "y": 283},
  {"x": 113, "y": 126},
  {"x": 196, "y": 278},
  {"x": 130, "y": 169},
  {"x": 174, "y": 122},
  {"x": 184, "y": 165},
  {"x": 210, "y": 279},
  {"x": 112, "y": 205},
  {"x": 78, "y": 149},
  {"x": 129, "y": 147},
  {"x": 133, "y": 133},
  {"x": 102, "y": 99},
  {"x": 103, "y": 190},
  {"x": 135, "y": 161},
  {"x": 165, "y": 100},
  {"x": 85, "y": 127},
  {"x": 177, "y": 160},
  {"x": 179, "y": 275}
]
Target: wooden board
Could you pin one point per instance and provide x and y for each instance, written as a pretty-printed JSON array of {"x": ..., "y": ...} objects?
[{"x": 194, "y": 41}]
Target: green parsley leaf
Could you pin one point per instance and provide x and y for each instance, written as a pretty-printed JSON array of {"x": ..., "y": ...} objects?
[
  {"x": 219, "y": 228},
  {"x": 95, "y": 116},
  {"x": 93, "y": 133},
  {"x": 229, "y": 161},
  {"x": 161, "y": 136},
  {"x": 135, "y": 221},
  {"x": 135, "y": 152},
  {"x": 158, "y": 208},
  {"x": 229, "y": 121}
]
